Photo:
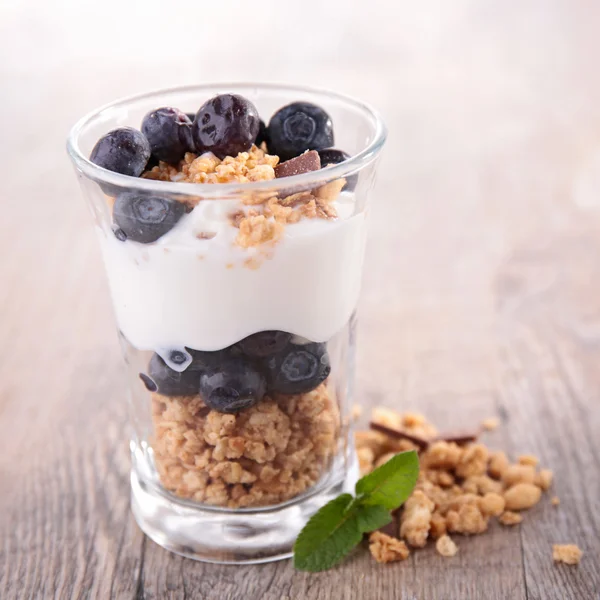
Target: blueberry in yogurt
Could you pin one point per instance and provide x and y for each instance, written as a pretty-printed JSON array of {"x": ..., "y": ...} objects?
[{"x": 145, "y": 218}]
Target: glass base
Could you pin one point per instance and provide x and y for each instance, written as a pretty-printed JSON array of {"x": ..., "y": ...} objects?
[{"x": 226, "y": 536}]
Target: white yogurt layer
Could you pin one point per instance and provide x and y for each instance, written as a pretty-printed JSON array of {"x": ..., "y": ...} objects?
[{"x": 185, "y": 291}]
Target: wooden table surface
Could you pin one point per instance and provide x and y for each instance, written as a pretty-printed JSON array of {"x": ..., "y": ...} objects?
[{"x": 481, "y": 291}]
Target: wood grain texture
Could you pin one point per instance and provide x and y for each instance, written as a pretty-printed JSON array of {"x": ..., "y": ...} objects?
[{"x": 481, "y": 291}]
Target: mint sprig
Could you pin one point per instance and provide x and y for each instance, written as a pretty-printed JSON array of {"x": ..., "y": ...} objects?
[{"x": 336, "y": 528}]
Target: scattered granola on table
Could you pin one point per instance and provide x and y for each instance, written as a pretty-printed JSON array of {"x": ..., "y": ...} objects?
[
  {"x": 462, "y": 486},
  {"x": 570, "y": 554}
]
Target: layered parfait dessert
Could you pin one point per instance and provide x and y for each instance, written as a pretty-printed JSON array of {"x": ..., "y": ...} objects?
[{"x": 235, "y": 310}]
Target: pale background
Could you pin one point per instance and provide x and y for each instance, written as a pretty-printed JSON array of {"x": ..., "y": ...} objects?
[{"x": 482, "y": 283}]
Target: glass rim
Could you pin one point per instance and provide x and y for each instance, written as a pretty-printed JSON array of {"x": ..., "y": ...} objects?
[{"x": 354, "y": 164}]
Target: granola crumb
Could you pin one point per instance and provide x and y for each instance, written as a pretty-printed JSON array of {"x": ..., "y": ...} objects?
[
  {"x": 510, "y": 518},
  {"x": 528, "y": 459},
  {"x": 437, "y": 526},
  {"x": 492, "y": 504},
  {"x": 555, "y": 501},
  {"x": 498, "y": 464},
  {"x": 366, "y": 458},
  {"x": 330, "y": 191},
  {"x": 446, "y": 546},
  {"x": 385, "y": 548},
  {"x": 415, "y": 521},
  {"x": 257, "y": 230},
  {"x": 490, "y": 424},
  {"x": 518, "y": 474},
  {"x": 522, "y": 496},
  {"x": 570, "y": 554},
  {"x": 544, "y": 478}
]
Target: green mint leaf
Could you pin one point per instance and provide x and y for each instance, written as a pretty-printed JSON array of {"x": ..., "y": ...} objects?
[
  {"x": 339, "y": 525},
  {"x": 369, "y": 518},
  {"x": 328, "y": 536},
  {"x": 390, "y": 484}
]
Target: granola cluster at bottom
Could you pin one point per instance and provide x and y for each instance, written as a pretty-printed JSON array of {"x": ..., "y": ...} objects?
[{"x": 264, "y": 455}]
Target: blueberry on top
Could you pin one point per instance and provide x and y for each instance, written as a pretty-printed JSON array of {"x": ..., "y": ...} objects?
[
  {"x": 264, "y": 343},
  {"x": 124, "y": 150},
  {"x": 169, "y": 382},
  {"x": 225, "y": 125},
  {"x": 169, "y": 132},
  {"x": 144, "y": 218},
  {"x": 298, "y": 127},
  {"x": 233, "y": 385},
  {"x": 331, "y": 156},
  {"x": 298, "y": 369}
]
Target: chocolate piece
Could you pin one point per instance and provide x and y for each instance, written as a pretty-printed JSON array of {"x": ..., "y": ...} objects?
[
  {"x": 459, "y": 437},
  {"x": 305, "y": 163},
  {"x": 400, "y": 434}
]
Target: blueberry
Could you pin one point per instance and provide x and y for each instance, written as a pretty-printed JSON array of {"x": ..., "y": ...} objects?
[
  {"x": 298, "y": 127},
  {"x": 298, "y": 369},
  {"x": 263, "y": 134},
  {"x": 145, "y": 218},
  {"x": 120, "y": 234},
  {"x": 169, "y": 132},
  {"x": 331, "y": 156},
  {"x": 203, "y": 360},
  {"x": 233, "y": 385},
  {"x": 264, "y": 343},
  {"x": 225, "y": 125},
  {"x": 124, "y": 150},
  {"x": 169, "y": 382}
]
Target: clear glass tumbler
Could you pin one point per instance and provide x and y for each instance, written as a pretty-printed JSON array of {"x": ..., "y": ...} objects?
[{"x": 238, "y": 486}]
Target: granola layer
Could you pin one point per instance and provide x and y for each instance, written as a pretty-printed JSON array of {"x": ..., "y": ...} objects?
[{"x": 264, "y": 455}]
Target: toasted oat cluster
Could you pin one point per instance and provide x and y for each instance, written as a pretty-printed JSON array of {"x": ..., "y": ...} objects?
[
  {"x": 265, "y": 222},
  {"x": 462, "y": 484},
  {"x": 254, "y": 165},
  {"x": 386, "y": 548},
  {"x": 264, "y": 455},
  {"x": 570, "y": 554}
]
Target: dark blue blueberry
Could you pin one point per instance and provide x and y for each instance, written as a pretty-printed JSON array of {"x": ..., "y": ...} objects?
[
  {"x": 202, "y": 360},
  {"x": 263, "y": 134},
  {"x": 150, "y": 385},
  {"x": 298, "y": 369},
  {"x": 145, "y": 218},
  {"x": 299, "y": 127},
  {"x": 124, "y": 150},
  {"x": 120, "y": 234},
  {"x": 225, "y": 125},
  {"x": 233, "y": 385},
  {"x": 264, "y": 343},
  {"x": 169, "y": 132},
  {"x": 331, "y": 156},
  {"x": 169, "y": 382}
]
